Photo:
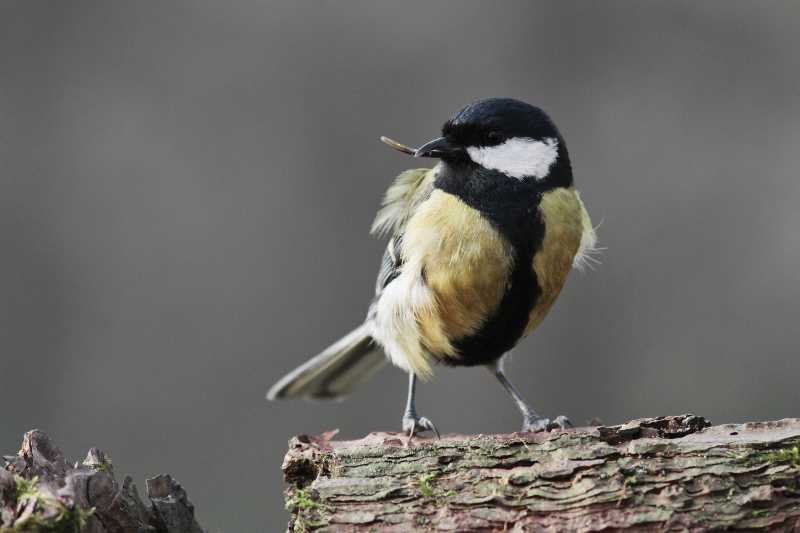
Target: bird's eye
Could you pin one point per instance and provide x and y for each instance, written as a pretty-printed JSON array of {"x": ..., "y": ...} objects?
[{"x": 493, "y": 137}]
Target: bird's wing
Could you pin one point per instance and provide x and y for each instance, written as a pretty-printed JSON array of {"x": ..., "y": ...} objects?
[
  {"x": 390, "y": 264},
  {"x": 408, "y": 190}
]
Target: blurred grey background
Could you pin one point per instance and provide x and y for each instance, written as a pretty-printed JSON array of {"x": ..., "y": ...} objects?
[{"x": 187, "y": 189}]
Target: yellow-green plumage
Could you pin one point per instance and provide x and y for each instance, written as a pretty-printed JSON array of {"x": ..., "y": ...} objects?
[
  {"x": 568, "y": 235},
  {"x": 466, "y": 263},
  {"x": 405, "y": 193}
]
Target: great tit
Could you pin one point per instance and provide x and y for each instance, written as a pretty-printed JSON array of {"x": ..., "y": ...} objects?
[{"x": 481, "y": 245}]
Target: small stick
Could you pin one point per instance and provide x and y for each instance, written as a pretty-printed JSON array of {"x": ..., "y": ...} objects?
[{"x": 397, "y": 146}]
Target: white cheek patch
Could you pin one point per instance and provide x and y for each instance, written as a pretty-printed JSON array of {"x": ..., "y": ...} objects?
[{"x": 519, "y": 157}]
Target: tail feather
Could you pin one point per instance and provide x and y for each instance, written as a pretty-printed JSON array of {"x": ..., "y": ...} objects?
[{"x": 336, "y": 371}]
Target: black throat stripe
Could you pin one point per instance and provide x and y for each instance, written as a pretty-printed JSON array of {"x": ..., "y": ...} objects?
[{"x": 512, "y": 206}]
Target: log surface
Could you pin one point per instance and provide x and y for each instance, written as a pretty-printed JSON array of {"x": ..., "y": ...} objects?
[
  {"x": 41, "y": 492},
  {"x": 668, "y": 473}
]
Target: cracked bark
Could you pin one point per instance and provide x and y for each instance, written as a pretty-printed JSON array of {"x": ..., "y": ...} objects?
[
  {"x": 40, "y": 491},
  {"x": 654, "y": 474}
]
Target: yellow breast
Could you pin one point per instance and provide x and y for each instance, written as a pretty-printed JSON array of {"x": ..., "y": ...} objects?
[
  {"x": 465, "y": 263},
  {"x": 566, "y": 224},
  {"x": 457, "y": 269}
]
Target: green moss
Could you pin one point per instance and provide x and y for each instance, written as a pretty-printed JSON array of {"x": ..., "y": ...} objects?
[
  {"x": 308, "y": 513},
  {"x": 102, "y": 467},
  {"x": 782, "y": 455},
  {"x": 26, "y": 488},
  {"x": 60, "y": 518},
  {"x": 787, "y": 455},
  {"x": 300, "y": 500},
  {"x": 71, "y": 520},
  {"x": 425, "y": 486},
  {"x": 427, "y": 489},
  {"x": 631, "y": 480}
]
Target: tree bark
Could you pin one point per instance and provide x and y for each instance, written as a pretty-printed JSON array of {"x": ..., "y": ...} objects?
[
  {"x": 41, "y": 492},
  {"x": 653, "y": 474}
]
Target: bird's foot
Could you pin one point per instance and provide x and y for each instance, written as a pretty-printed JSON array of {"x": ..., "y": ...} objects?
[
  {"x": 412, "y": 423},
  {"x": 539, "y": 424}
]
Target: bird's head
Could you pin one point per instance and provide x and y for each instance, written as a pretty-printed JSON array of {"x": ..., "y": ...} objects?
[{"x": 503, "y": 135}]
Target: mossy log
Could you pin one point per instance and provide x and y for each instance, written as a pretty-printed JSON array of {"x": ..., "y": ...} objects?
[
  {"x": 668, "y": 473},
  {"x": 41, "y": 492}
]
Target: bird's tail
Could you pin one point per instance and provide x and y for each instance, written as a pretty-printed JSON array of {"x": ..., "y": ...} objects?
[{"x": 332, "y": 374}]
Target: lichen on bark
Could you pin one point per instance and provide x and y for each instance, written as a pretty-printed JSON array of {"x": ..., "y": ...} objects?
[{"x": 666, "y": 473}]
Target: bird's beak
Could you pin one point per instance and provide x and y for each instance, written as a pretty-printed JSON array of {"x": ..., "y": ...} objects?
[{"x": 436, "y": 148}]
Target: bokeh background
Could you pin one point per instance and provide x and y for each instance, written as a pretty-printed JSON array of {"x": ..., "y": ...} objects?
[{"x": 187, "y": 189}]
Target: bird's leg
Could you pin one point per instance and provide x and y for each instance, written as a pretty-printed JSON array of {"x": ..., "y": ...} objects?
[
  {"x": 531, "y": 421},
  {"x": 412, "y": 422}
]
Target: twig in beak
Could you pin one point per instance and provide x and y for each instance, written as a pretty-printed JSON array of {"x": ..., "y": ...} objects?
[{"x": 397, "y": 146}]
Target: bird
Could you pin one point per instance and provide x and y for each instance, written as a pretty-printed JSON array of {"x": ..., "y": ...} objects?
[{"x": 480, "y": 246}]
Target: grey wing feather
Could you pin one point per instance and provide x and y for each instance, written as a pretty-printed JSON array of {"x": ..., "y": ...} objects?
[
  {"x": 405, "y": 194},
  {"x": 336, "y": 371},
  {"x": 390, "y": 264}
]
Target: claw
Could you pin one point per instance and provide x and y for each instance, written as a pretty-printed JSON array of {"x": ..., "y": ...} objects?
[
  {"x": 538, "y": 425},
  {"x": 413, "y": 423},
  {"x": 427, "y": 424},
  {"x": 561, "y": 422}
]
